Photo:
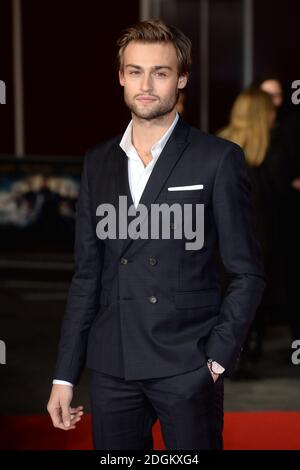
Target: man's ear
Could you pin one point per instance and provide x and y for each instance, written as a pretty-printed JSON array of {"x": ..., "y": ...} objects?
[
  {"x": 182, "y": 81},
  {"x": 121, "y": 78}
]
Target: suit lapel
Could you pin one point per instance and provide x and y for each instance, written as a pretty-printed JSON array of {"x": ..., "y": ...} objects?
[
  {"x": 123, "y": 188},
  {"x": 165, "y": 163},
  {"x": 171, "y": 153}
]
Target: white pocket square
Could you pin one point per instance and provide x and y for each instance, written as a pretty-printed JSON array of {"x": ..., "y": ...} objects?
[{"x": 185, "y": 188}]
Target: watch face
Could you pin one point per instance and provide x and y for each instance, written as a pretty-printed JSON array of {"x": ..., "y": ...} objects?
[{"x": 216, "y": 368}]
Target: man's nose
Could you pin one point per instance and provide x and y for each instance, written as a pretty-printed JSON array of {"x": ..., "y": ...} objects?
[{"x": 146, "y": 84}]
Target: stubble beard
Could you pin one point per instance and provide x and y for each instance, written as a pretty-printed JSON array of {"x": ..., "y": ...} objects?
[{"x": 159, "y": 110}]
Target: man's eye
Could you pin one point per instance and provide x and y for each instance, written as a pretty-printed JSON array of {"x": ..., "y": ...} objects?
[
  {"x": 134, "y": 72},
  {"x": 161, "y": 74}
]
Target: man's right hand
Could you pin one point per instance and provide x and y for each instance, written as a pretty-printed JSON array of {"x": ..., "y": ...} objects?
[{"x": 59, "y": 407}]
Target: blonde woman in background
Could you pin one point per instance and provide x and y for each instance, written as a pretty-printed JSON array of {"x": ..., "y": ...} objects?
[{"x": 251, "y": 121}]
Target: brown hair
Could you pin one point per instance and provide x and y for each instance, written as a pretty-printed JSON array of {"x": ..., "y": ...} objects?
[
  {"x": 250, "y": 122},
  {"x": 155, "y": 30}
]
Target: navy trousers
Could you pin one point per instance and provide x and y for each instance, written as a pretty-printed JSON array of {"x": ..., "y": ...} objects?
[{"x": 189, "y": 407}]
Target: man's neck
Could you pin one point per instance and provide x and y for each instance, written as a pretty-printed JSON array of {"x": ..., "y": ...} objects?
[{"x": 146, "y": 133}]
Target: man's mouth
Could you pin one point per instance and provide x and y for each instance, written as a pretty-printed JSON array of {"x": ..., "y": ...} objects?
[{"x": 146, "y": 99}]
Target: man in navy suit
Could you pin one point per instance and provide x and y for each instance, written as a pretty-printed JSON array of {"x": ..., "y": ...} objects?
[{"x": 145, "y": 312}]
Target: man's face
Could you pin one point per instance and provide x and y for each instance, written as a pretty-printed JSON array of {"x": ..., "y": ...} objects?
[{"x": 150, "y": 79}]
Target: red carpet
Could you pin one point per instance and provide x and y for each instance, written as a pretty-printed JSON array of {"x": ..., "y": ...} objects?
[{"x": 245, "y": 431}]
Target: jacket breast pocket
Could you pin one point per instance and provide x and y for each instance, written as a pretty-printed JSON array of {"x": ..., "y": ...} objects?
[{"x": 196, "y": 195}]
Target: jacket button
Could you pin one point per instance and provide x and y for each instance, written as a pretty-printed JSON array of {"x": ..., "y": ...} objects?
[
  {"x": 152, "y": 261},
  {"x": 152, "y": 299},
  {"x": 124, "y": 261}
]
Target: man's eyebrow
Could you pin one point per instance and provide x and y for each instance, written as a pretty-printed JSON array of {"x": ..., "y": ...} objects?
[
  {"x": 156, "y": 67},
  {"x": 134, "y": 66}
]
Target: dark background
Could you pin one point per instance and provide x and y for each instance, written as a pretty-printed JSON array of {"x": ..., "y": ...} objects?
[{"x": 72, "y": 98}]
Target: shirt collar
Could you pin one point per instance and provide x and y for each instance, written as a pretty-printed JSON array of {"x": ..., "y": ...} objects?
[{"x": 156, "y": 149}]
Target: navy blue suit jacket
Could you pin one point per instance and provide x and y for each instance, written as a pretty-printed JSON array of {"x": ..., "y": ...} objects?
[{"x": 151, "y": 308}]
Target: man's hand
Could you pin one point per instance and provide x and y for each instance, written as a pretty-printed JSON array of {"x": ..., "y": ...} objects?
[
  {"x": 214, "y": 376},
  {"x": 62, "y": 415}
]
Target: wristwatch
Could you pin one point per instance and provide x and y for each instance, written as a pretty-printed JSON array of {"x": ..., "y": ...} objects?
[{"x": 215, "y": 367}]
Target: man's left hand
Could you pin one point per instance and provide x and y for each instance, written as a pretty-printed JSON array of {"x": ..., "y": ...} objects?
[{"x": 214, "y": 376}]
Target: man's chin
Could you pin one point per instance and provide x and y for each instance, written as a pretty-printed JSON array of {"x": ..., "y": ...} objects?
[
  {"x": 145, "y": 115},
  {"x": 149, "y": 115}
]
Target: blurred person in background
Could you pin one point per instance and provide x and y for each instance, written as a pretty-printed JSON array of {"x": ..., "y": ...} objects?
[
  {"x": 286, "y": 132},
  {"x": 251, "y": 122},
  {"x": 286, "y": 125},
  {"x": 273, "y": 87}
]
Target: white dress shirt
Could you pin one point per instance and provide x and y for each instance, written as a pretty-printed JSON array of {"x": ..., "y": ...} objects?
[{"x": 138, "y": 174}]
